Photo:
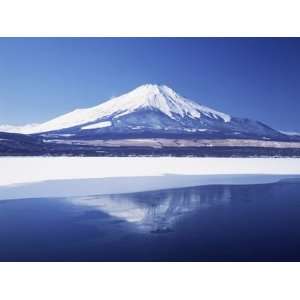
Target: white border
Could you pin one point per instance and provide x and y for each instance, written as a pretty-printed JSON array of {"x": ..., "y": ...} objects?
[
  {"x": 149, "y": 18},
  {"x": 149, "y": 281}
]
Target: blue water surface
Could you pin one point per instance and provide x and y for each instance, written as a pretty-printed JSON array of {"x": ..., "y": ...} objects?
[{"x": 257, "y": 222}]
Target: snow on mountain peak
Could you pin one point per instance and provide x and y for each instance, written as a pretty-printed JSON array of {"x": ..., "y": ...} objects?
[
  {"x": 18, "y": 129},
  {"x": 162, "y": 98},
  {"x": 149, "y": 96}
]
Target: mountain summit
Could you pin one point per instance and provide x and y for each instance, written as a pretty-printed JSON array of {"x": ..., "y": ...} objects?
[
  {"x": 160, "y": 98},
  {"x": 151, "y": 111}
]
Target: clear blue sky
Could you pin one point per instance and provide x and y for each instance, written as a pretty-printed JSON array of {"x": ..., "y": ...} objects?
[{"x": 41, "y": 78}]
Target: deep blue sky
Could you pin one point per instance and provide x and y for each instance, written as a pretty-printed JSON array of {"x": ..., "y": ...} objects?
[{"x": 41, "y": 78}]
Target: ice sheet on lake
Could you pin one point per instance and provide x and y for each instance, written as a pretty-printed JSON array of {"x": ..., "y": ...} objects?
[{"x": 120, "y": 185}]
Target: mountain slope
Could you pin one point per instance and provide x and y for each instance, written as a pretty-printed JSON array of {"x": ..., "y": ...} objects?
[{"x": 151, "y": 111}]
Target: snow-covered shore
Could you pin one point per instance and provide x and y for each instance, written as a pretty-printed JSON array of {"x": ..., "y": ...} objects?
[{"x": 19, "y": 170}]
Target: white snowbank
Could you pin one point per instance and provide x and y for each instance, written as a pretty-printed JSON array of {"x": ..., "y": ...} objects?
[{"x": 16, "y": 170}]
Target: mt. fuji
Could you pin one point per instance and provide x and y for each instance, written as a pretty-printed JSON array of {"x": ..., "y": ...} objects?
[{"x": 149, "y": 111}]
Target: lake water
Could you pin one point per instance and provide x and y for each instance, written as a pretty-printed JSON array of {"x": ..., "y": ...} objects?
[{"x": 256, "y": 222}]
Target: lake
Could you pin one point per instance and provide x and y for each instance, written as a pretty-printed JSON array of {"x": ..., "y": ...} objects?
[{"x": 223, "y": 222}]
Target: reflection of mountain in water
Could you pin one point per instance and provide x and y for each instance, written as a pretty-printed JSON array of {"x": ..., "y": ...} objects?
[{"x": 157, "y": 211}]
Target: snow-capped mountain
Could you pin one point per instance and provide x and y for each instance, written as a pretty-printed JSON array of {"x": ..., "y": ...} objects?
[
  {"x": 26, "y": 129},
  {"x": 150, "y": 111},
  {"x": 147, "y": 97}
]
